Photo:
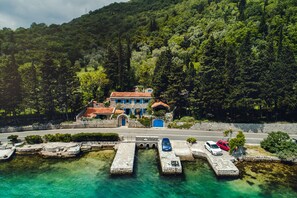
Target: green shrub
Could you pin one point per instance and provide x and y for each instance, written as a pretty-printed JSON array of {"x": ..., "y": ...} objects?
[
  {"x": 33, "y": 139},
  {"x": 160, "y": 113},
  {"x": 186, "y": 126},
  {"x": 50, "y": 138},
  {"x": 228, "y": 133},
  {"x": 80, "y": 137},
  {"x": 132, "y": 116},
  {"x": 192, "y": 140},
  {"x": 13, "y": 138},
  {"x": 174, "y": 125},
  {"x": 187, "y": 119},
  {"x": 64, "y": 137},
  {"x": 58, "y": 137},
  {"x": 145, "y": 122},
  {"x": 274, "y": 140},
  {"x": 288, "y": 151},
  {"x": 237, "y": 142}
]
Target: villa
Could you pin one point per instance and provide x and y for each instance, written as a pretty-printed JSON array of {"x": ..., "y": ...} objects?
[
  {"x": 121, "y": 105},
  {"x": 131, "y": 102}
]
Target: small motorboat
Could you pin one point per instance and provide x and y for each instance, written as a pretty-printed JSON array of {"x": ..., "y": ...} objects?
[{"x": 6, "y": 152}]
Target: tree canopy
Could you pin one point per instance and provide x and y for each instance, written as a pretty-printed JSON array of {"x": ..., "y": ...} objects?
[{"x": 227, "y": 60}]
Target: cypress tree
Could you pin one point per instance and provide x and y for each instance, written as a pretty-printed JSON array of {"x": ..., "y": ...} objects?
[
  {"x": 241, "y": 8},
  {"x": 49, "y": 75},
  {"x": 11, "y": 88},
  {"x": 111, "y": 67},
  {"x": 68, "y": 85},
  {"x": 229, "y": 74},
  {"x": 175, "y": 93},
  {"x": 267, "y": 82},
  {"x": 248, "y": 89},
  {"x": 161, "y": 73},
  {"x": 211, "y": 88},
  {"x": 263, "y": 28}
]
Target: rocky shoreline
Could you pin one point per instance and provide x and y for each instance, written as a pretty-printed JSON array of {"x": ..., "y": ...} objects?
[{"x": 63, "y": 150}]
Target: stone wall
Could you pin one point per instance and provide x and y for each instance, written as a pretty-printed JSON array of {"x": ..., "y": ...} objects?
[
  {"x": 33, "y": 127},
  {"x": 135, "y": 124},
  {"x": 82, "y": 124},
  {"x": 290, "y": 128},
  {"x": 91, "y": 124}
]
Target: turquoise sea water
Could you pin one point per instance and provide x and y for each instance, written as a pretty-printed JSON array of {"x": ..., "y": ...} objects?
[{"x": 88, "y": 176}]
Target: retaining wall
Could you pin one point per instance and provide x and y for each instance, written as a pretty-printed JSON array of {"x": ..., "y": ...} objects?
[
  {"x": 135, "y": 124},
  {"x": 290, "y": 128},
  {"x": 91, "y": 124}
]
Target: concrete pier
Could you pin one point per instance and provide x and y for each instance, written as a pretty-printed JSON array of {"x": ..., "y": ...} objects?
[
  {"x": 222, "y": 165},
  {"x": 123, "y": 162},
  {"x": 146, "y": 141},
  {"x": 182, "y": 150},
  {"x": 170, "y": 163}
]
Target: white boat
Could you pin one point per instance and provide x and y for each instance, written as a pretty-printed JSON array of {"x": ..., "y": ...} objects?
[
  {"x": 75, "y": 150},
  {"x": 6, "y": 153},
  {"x": 19, "y": 144}
]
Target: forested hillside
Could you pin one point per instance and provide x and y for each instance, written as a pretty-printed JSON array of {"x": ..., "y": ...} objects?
[{"x": 227, "y": 60}]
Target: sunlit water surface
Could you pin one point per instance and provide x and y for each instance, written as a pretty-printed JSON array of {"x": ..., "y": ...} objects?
[{"x": 88, "y": 176}]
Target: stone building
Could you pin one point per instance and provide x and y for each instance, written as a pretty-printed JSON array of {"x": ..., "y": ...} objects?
[{"x": 131, "y": 102}]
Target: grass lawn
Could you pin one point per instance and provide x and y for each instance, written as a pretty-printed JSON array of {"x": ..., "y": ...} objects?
[{"x": 255, "y": 150}]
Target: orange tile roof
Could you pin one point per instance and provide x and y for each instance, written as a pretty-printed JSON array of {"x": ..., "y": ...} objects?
[
  {"x": 130, "y": 94},
  {"x": 156, "y": 104},
  {"x": 93, "y": 111},
  {"x": 118, "y": 111}
]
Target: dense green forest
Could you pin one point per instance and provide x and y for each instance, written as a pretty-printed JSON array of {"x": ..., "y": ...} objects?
[{"x": 226, "y": 60}]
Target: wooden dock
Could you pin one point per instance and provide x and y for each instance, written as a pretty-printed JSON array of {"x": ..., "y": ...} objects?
[
  {"x": 170, "y": 163},
  {"x": 123, "y": 162}
]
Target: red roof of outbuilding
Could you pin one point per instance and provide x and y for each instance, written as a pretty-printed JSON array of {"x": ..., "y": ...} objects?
[
  {"x": 130, "y": 94},
  {"x": 93, "y": 111}
]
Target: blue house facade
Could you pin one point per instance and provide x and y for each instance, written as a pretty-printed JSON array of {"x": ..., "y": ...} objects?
[{"x": 134, "y": 103}]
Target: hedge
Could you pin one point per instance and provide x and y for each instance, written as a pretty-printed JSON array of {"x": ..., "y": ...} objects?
[
  {"x": 80, "y": 137},
  {"x": 58, "y": 137},
  {"x": 33, "y": 139}
]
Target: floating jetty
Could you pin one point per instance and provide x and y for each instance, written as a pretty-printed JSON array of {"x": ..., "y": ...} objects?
[
  {"x": 170, "y": 163},
  {"x": 123, "y": 162},
  {"x": 222, "y": 165}
]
